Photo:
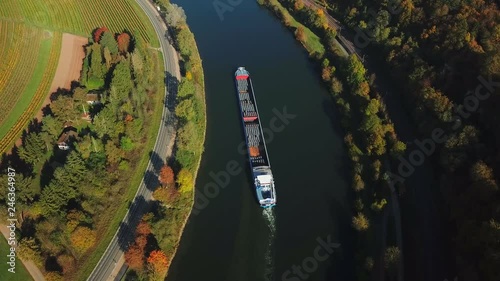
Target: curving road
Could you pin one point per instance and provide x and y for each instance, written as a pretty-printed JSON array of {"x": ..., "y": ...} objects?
[{"x": 111, "y": 265}]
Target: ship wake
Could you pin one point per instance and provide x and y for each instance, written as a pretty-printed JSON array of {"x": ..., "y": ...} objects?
[{"x": 270, "y": 218}]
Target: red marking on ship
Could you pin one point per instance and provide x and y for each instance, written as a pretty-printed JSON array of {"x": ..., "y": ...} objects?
[
  {"x": 241, "y": 77},
  {"x": 249, "y": 118}
]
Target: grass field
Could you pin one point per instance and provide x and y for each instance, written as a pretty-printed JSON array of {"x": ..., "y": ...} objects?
[
  {"x": 30, "y": 36},
  {"x": 313, "y": 42},
  {"x": 21, "y": 273}
]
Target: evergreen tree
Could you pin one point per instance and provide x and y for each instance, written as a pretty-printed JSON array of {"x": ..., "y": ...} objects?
[
  {"x": 108, "y": 41},
  {"x": 51, "y": 126},
  {"x": 33, "y": 149},
  {"x": 54, "y": 198},
  {"x": 97, "y": 69},
  {"x": 122, "y": 82}
]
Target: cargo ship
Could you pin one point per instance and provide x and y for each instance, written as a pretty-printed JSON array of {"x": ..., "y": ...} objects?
[{"x": 254, "y": 137}]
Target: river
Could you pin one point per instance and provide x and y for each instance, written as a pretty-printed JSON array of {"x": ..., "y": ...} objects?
[{"x": 232, "y": 238}]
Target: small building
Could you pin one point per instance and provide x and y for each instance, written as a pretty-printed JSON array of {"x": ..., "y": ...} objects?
[
  {"x": 67, "y": 136},
  {"x": 86, "y": 116},
  {"x": 93, "y": 99}
]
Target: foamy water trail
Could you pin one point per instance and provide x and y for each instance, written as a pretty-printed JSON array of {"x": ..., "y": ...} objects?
[{"x": 268, "y": 215}]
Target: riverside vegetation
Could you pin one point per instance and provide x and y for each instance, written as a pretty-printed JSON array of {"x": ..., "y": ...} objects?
[
  {"x": 445, "y": 58},
  {"x": 158, "y": 235},
  {"x": 66, "y": 199},
  {"x": 370, "y": 137}
]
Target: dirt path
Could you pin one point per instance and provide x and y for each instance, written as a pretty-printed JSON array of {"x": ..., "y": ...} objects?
[
  {"x": 69, "y": 65},
  {"x": 68, "y": 69},
  {"x": 30, "y": 266}
]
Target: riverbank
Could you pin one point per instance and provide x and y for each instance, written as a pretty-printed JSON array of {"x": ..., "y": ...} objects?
[
  {"x": 370, "y": 137},
  {"x": 201, "y": 82}
]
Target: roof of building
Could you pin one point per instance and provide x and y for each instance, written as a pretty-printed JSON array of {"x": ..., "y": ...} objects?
[
  {"x": 92, "y": 97},
  {"x": 66, "y": 135}
]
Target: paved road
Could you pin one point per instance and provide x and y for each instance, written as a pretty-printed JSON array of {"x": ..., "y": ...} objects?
[{"x": 113, "y": 256}]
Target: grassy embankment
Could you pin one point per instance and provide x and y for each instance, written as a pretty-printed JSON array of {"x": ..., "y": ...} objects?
[{"x": 21, "y": 274}]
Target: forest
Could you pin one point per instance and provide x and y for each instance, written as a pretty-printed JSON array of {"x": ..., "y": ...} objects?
[
  {"x": 443, "y": 59},
  {"x": 76, "y": 163}
]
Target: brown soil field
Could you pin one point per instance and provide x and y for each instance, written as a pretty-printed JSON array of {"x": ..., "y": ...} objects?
[
  {"x": 69, "y": 65},
  {"x": 68, "y": 68}
]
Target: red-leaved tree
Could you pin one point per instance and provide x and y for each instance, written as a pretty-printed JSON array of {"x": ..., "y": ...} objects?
[
  {"x": 123, "y": 42},
  {"x": 143, "y": 228},
  {"x": 166, "y": 175},
  {"x": 134, "y": 257},
  {"x": 99, "y": 32},
  {"x": 158, "y": 262}
]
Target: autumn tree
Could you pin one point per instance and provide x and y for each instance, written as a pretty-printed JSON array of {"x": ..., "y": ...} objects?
[
  {"x": 98, "y": 32},
  {"x": 357, "y": 183},
  {"x": 53, "y": 276},
  {"x": 67, "y": 262},
  {"x": 326, "y": 73},
  {"x": 134, "y": 257},
  {"x": 123, "y": 42},
  {"x": 298, "y": 5},
  {"x": 336, "y": 86},
  {"x": 166, "y": 195},
  {"x": 143, "y": 228},
  {"x": 29, "y": 250},
  {"x": 113, "y": 153},
  {"x": 300, "y": 34},
  {"x": 157, "y": 265},
  {"x": 185, "y": 181},
  {"x": 166, "y": 175},
  {"x": 360, "y": 222},
  {"x": 82, "y": 239},
  {"x": 392, "y": 258}
]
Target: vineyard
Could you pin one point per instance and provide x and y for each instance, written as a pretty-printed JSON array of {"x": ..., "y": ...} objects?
[
  {"x": 30, "y": 36},
  {"x": 80, "y": 17},
  {"x": 29, "y": 62}
]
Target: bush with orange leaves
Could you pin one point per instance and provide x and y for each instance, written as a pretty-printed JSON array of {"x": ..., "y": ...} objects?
[{"x": 157, "y": 265}]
